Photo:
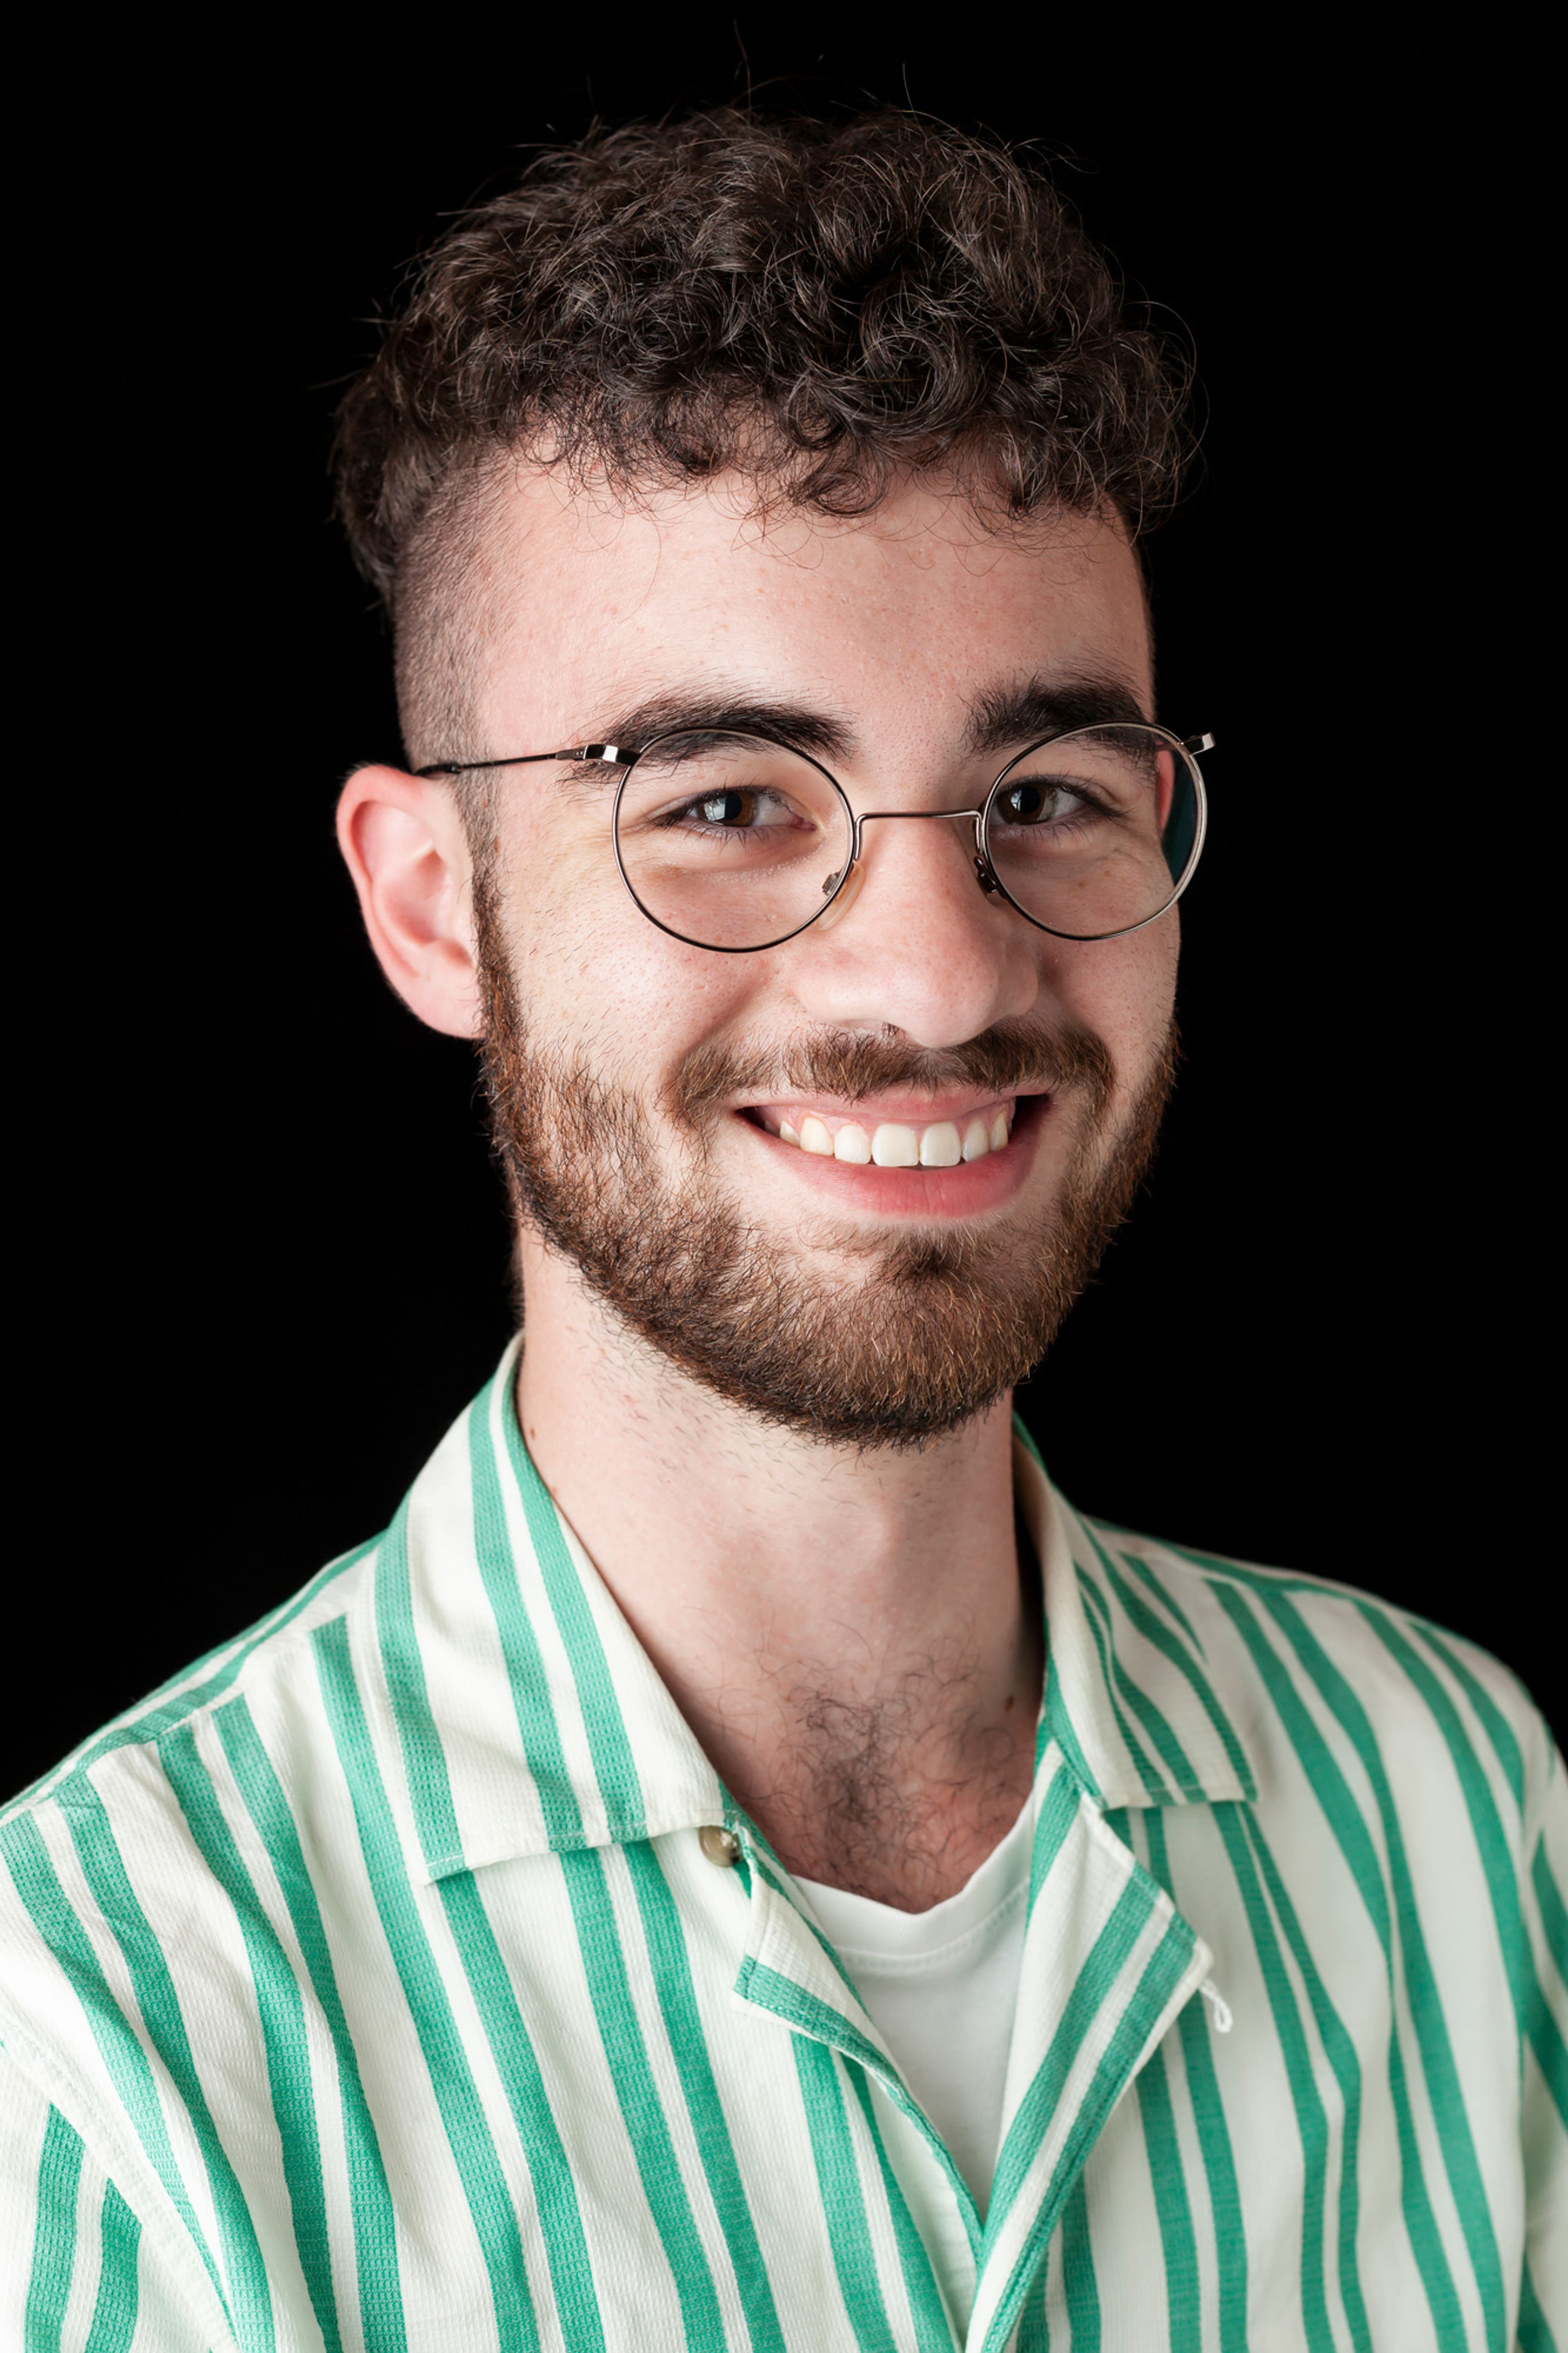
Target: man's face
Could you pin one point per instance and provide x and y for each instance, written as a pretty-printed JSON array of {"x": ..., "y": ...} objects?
[{"x": 658, "y": 1103}]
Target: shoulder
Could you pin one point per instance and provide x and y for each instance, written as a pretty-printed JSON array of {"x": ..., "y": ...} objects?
[
  {"x": 1340, "y": 1679},
  {"x": 148, "y": 1884},
  {"x": 124, "y": 1845},
  {"x": 138, "y": 1879},
  {"x": 268, "y": 1656}
]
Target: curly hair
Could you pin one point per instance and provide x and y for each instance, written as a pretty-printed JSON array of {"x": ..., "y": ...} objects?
[{"x": 818, "y": 307}]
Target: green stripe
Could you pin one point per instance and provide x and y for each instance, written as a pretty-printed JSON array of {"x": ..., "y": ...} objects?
[
  {"x": 1034, "y": 2324},
  {"x": 772, "y": 1991},
  {"x": 1079, "y": 2286},
  {"x": 1173, "y": 2208},
  {"x": 1147, "y": 1575},
  {"x": 1553, "y": 1911},
  {"x": 1321, "y": 1771},
  {"x": 1499, "y": 1730},
  {"x": 103, "y": 1867},
  {"x": 598, "y": 1936},
  {"x": 1142, "y": 1619},
  {"x": 1057, "y": 1812},
  {"x": 51, "y": 1914},
  {"x": 1340, "y": 2053},
  {"x": 1443, "y": 2086},
  {"x": 402, "y": 1665},
  {"x": 1491, "y": 1846},
  {"x": 1056, "y": 1723},
  {"x": 1103, "y": 1964},
  {"x": 1213, "y": 2133},
  {"x": 549, "y": 2168},
  {"x": 1114, "y": 1678},
  {"x": 843, "y": 2207},
  {"x": 1261, "y": 1581},
  {"x": 467, "y": 2135},
  {"x": 611, "y": 1750},
  {"x": 1160, "y": 1978},
  {"x": 163, "y": 1713},
  {"x": 282, "y": 2016},
  {"x": 1155, "y": 1722},
  {"x": 375, "y": 2232},
  {"x": 774, "y": 1876},
  {"x": 1117, "y": 1821},
  {"x": 536, "y": 1722},
  {"x": 672, "y": 1967},
  {"x": 118, "y": 2300},
  {"x": 1311, "y": 2119},
  {"x": 933, "y": 2331},
  {"x": 1318, "y": 1764},
  {"x": 54, "y": 2236},
  {"x": 648, "y": 2129},
  {"x": 434, "y": 1815},
  {"x": 1535, "y": 2021}
]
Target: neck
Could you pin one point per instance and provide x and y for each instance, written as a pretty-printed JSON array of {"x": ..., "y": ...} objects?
[{"x": 846, "y": 1630}]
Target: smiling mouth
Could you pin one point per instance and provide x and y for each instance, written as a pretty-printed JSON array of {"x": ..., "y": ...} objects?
[{"x": 890, "y": 1143}]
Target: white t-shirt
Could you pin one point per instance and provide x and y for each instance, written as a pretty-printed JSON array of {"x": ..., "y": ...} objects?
[{"x": 942, "y": 1987}]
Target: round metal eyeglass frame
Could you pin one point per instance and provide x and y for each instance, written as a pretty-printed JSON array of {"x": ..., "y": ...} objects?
[{"x": 845, "y": 888}]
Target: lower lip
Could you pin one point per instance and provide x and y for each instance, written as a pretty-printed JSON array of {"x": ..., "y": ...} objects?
[{"x": 966, "y": 1191}]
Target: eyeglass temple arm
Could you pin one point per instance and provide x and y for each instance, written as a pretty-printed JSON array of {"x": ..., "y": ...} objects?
[
  {"x": 608, "y": 752},
  {"x": 612, "y": 755}
]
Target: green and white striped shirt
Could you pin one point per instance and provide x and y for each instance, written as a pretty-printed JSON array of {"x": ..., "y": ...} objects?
[{"x": 372, "y": 1987}]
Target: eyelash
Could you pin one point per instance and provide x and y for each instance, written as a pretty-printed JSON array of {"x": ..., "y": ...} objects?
[{"x": 1092, "y": 804}]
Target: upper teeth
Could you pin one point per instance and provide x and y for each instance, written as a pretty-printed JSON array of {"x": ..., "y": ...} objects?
[{"x": 891, "y": 1144}]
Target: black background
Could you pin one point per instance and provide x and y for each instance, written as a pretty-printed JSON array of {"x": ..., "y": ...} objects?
[{"x": 262, "y": 1261}]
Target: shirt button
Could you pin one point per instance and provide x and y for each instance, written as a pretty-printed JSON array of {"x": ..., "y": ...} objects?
[{"x": 720, "y": 1846}]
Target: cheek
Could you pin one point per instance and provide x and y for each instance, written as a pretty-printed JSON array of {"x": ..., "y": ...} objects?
[
  {"x": 1123, "y": 990},
  {"x": 591, "y": 968},
  {"x": 560, "y": 902}
]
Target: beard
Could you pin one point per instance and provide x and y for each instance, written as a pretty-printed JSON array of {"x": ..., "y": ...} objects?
[{"x": 897, "y": 1341}]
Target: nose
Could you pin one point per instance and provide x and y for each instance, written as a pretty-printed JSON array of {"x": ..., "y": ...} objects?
[{"x": 923, "y": 948}]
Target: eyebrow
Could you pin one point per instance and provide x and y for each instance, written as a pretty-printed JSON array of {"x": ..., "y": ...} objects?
[
  {"x": 1025, "y": 714},
  {"x": 720, "y": 713}
]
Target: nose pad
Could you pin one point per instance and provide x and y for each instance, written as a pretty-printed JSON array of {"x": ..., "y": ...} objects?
[{"x": 849, "y": 889}]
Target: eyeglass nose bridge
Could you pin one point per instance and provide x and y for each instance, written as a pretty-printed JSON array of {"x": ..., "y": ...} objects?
[{"x": 849, "y": 889}]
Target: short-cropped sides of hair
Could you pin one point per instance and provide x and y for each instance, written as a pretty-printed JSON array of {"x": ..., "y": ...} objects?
[{"x": 818, "y": 306}]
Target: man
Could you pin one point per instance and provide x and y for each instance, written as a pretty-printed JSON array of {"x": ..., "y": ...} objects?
[{"x": 741, "y": 1863}]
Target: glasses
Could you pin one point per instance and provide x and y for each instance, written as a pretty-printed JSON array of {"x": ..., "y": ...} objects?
[{"x": 730, "y": 841}]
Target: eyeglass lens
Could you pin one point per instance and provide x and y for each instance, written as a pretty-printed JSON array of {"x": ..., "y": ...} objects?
[{"x": 731, "y": 841}]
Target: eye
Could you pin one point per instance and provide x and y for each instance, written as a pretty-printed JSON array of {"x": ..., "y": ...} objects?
[
  {"x": 1042, "y": 801},
  {"x": 738, "y": 811}
]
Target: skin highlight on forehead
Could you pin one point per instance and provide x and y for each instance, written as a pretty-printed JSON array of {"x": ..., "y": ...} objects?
[{"x": 514, "y": 548}]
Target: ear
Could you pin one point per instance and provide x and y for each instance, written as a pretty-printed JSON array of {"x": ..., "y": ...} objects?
[{"x": 404, "y": 843}]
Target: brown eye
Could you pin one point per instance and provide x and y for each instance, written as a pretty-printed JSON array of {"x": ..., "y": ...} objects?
[
  {"x": 1037, "y": 803},
  {"x": 724, "y": 808}
]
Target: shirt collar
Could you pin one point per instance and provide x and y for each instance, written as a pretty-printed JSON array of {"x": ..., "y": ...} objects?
[
  {"x": 1137, "y": 1654},
  {"x": 530, "y": 1719}
]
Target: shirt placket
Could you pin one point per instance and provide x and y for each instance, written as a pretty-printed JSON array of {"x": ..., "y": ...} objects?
[
  {"x": 1109, "y": 1963},
  {"x": 791, "y": 1973}
]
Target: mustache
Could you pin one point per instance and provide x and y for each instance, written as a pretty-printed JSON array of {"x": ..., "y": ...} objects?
[{"x": 1011, "y": 1058}]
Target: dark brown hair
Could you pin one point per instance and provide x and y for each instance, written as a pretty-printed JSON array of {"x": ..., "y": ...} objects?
[{"x": 818, "y": 306}]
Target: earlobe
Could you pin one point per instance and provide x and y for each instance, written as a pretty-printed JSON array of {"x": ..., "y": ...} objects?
[{"x": 404, "y": 843}]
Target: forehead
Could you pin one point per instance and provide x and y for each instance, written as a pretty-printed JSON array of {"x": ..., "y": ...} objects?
[{"x": 902, "y": 621}]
